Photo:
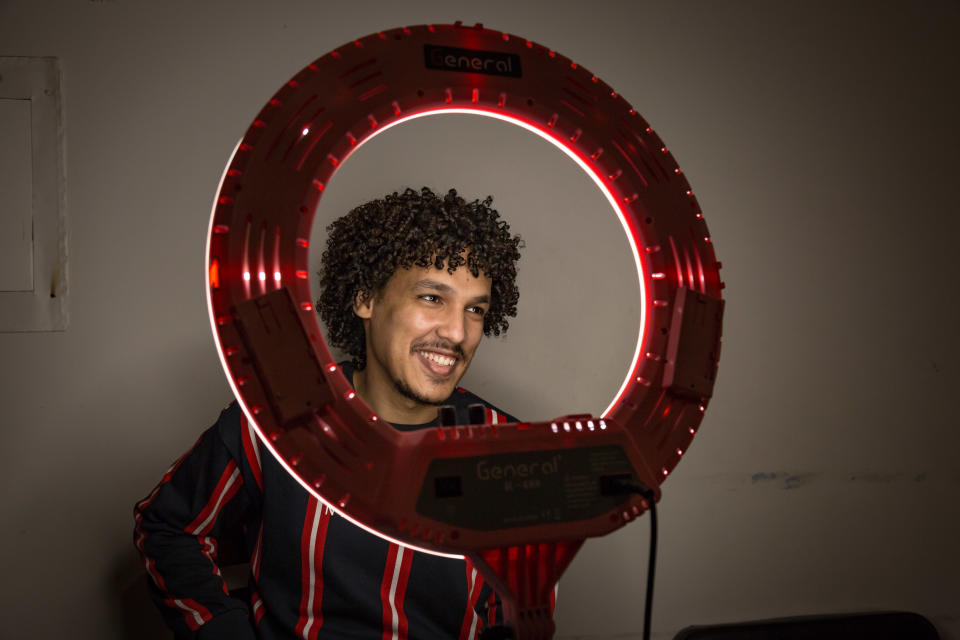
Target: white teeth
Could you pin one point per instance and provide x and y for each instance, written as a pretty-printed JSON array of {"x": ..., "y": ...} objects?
[{"x": 441, "y": 360}]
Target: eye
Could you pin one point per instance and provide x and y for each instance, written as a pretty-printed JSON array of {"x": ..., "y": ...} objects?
[
  {"x": 429, "y": 297},
  {"x": 477, "y": 310}
]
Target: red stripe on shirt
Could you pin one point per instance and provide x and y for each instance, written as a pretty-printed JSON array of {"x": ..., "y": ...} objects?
[
  {"x": 391, "y": 572},
  {"x": 401, "y": 593},
  {"x": 393, "y": 590},
  {"x": 306, "y": 567},
  {"x": 257, "y": 551},
  {"x": 255, "y": 601},
  {"x": 226, "y": 488},
  {"x": 468, "y": 629},
  {"x": 492, "y": 609},
  {"x": 257, "y": 606},
  {"x": 208, "y": 546},
  {"x": 311, "y": 569},
  {"x": 494, "y": 417},
  {"x": 319, "y": 543},
  {"x": 251, "y": 449},
  {"x": 194, "y": 613}
]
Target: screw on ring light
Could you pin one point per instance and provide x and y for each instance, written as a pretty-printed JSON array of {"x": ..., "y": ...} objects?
[{"x": 404, "y": 486}]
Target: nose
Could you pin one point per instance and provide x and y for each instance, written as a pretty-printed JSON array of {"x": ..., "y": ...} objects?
[{"x": 451, "y": 326}]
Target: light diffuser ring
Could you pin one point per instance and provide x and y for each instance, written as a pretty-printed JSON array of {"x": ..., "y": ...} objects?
[{"x": 260, "y": 229}]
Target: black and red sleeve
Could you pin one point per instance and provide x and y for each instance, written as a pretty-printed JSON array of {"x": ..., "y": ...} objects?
[{"x": 199, "y": 508}]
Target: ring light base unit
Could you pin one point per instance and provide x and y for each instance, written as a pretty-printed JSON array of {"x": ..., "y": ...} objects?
[{"x": 518, "y": 499}]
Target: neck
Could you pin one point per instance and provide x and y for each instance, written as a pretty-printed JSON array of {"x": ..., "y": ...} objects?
[{"x": 389, "y": 404}]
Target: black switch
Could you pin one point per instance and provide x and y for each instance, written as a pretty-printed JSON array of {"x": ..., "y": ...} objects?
[
  {"x": 448, "y": 487},
  {"x": 447, "y": 415},
  {"x": 477, "y": 414}
]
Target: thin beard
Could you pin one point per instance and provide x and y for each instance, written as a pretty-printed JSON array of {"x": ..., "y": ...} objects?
[{"x": 410, "y": 394}]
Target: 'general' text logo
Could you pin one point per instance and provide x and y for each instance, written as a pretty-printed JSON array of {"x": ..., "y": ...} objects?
[
  {"x": 491, "y": 63},
  {"x": 487, "y": 471}
]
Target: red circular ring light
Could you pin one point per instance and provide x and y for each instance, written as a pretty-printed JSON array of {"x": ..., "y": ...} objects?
[{"x": 398, "y": 485}]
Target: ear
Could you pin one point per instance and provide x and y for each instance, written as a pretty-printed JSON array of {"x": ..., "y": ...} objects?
[{"x": 363, "y": 305}]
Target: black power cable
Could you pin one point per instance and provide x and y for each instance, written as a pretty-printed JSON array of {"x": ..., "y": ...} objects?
[
  {"x": 620, "y": 485},
  {"x": 616, "y": 485}
]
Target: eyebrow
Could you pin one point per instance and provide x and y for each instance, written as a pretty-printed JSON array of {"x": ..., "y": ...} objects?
[{"x": 434, "y": 285}]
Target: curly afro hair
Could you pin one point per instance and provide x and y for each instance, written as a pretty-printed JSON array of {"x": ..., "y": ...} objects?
[{"x": 367, "y": 246}]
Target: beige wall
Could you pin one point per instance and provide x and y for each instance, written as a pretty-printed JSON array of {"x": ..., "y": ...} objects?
[{"x": 821, "y": 141}]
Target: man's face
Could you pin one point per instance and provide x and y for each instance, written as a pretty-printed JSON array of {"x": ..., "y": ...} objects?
[{"x": 422, "y": 331}]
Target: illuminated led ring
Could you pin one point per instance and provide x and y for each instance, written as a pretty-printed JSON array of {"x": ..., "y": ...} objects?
[{"x": 261, "y": 308}]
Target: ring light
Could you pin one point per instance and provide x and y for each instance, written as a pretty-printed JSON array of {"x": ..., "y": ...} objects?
[{"x": 450, "y": 490}]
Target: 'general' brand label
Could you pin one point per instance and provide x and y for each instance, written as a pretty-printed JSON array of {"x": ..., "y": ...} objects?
[
  {"x": 487, "y": 471},
  {"x": 491, "y": 63}
]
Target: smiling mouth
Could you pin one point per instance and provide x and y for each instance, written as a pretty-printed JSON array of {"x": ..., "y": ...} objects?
[
  {"x": 440, "y": 359},
  {"x": 438, "y": 366}
]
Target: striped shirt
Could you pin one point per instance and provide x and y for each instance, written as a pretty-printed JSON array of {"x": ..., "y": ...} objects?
[{"x": 313, "y": 574}]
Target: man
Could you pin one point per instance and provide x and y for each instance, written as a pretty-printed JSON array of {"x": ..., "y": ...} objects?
[{"x": 410, "y": 284}]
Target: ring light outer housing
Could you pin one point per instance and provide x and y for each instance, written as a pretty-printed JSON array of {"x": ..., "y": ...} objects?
[{"x": 306, "y": 412}]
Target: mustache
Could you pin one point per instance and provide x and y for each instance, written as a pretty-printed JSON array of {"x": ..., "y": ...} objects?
[{"x": 446, "y": 347}]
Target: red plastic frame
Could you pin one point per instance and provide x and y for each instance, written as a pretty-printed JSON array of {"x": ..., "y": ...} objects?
[{"x": 329, "y": 440}]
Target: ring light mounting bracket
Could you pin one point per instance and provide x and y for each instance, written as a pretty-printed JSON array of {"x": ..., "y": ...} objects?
[{"x": 516, "y": 499}]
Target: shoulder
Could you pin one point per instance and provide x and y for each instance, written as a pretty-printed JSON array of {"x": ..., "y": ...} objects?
[
  {"x": 239, "y": 438},
  {"x": 229, "y": 424}
]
